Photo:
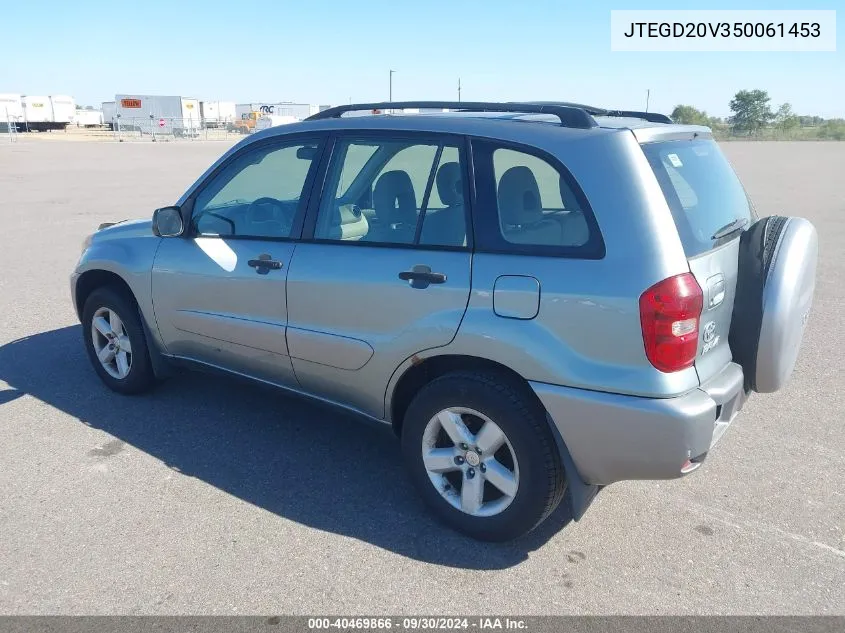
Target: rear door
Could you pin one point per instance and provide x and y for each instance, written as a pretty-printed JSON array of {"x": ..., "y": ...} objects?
[
  {"x": 710, "y": 209},
  {"x": 383, "y": 270}
]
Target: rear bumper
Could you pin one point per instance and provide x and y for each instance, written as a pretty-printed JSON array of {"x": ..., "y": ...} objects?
[{"x": 613, "y": 437}]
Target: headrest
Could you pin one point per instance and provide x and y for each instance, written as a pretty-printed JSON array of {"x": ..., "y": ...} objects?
[
  {"x": 449, "y": 184},
  {"x": 394, "y": 199},
  {"x": 519, "y": 197}
]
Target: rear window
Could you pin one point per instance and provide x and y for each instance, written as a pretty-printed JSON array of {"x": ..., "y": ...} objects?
[{"x": 702, "y": 190}]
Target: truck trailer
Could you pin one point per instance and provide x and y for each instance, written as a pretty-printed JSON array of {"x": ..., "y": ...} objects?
[
  {"x": 217, "y": 114},
  {"x": 272, "y": 120},
  {"x": 88, "y": 118},
  {"x": 64, "y": 110},
  {"x": 43, "y": 113},
  {"x": 280, "y": 108},
  {"x": 109, "y": 111},
  {"x": 157, "y": 114}
]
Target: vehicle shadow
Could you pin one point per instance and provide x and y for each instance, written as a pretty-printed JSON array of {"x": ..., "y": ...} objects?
[{"x": 306, "y": 462}]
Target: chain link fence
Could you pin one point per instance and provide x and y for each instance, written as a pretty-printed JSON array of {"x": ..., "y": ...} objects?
[{"x": 174, "y": 129}]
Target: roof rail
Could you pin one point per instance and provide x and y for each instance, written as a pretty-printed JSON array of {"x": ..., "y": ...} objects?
[
  {"x": 569, "y": 115},
  {"x": 652, "y": 117}
]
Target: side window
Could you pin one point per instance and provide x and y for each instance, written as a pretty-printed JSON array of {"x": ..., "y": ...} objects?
[
  {"x": 535, "y": 204},
  {"x": 257, "y": 194},
  {"x": 394, "y": 192},
  {"x": 357, "y": 157}
]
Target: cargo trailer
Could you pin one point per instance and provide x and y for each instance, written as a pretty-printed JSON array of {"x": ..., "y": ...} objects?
[
  {"x": 109, "y": 111},
  {"x": 272, "y": 120},
  {"x": 217, "y": 114},
  {"x": 280, "y": 108},
  {"x": 63, "y": 110},
  {"x": 157, "y": 114},
  {"x": 88, "y": 118},
  {"x": 43, "y": 113}
]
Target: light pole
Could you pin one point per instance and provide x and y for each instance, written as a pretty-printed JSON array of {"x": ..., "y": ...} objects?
[
  {"x": 647, "y": 97},
  {"x": 390, "y": 87},
  {"x": 459, "y": 89}
]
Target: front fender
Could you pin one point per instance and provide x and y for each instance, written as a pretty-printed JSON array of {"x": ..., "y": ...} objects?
[{"x": 130, "y": 259}]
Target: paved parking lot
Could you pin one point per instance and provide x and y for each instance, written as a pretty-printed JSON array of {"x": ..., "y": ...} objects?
[{"x": 211, "y": 496}]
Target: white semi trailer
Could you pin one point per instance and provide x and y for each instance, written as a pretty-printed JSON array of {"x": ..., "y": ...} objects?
[
  {"x": 280, "y": 108},
  {"x": 64, "y": 110},
  {"x": 88, "y": 118},
  {"x": 156, "y": 114},
  {"x": 42, "y": 113},
  {"x": 217, "y": 114},
  {"x": 109, "y": 110},
  {"x": 273, "y": 120}
]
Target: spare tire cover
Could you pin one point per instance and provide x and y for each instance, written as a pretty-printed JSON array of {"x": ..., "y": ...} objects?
[{"x": 774, "y": 292}]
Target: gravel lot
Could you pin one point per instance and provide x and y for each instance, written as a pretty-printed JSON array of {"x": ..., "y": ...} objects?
[{"x": 210, "y": 496}]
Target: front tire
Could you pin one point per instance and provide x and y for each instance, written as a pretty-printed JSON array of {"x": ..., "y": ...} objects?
[
  {"x": 481, "y": 454},
  {"x": 115, "y": 341}
]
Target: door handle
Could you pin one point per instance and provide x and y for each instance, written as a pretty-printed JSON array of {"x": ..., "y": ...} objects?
[
  {"x": 422, "y": 277},
  {"x": 264, "y": 264}
]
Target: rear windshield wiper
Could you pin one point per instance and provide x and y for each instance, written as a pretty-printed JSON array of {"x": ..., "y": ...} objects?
[{"x": 730, "y": 227}]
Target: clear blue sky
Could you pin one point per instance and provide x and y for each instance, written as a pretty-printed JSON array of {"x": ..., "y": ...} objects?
[{"x": 332, "y": 51}]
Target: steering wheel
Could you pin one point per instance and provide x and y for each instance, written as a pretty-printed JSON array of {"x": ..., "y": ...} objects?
[
  {"x": 266, "y": 200},
  {"x": 279, "y": 214}
]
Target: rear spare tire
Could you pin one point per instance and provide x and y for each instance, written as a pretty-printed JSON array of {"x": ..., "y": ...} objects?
[{"x": 774, "y": 292}]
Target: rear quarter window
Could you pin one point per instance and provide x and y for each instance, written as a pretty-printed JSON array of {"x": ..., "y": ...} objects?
[
  {"x": 702, "y": 190},
  {"x": 528, "y": 203}
]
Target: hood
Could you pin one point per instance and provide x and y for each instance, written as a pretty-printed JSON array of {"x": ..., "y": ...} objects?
[{"x": 125, "y": 228}]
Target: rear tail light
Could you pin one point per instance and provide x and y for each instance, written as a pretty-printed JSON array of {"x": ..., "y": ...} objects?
[{"x": 670, "y": 313}]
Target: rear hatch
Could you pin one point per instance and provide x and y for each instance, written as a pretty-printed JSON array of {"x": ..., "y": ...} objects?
[{"x": 710, "y": 208}]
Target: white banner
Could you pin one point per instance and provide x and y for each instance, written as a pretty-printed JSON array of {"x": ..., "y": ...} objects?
[{"x": 723, "y": 30}]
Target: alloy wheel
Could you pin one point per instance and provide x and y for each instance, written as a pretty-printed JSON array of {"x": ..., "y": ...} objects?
[
  {"x": 111, "y": 343},
  {"x": 470, "y": 461}
]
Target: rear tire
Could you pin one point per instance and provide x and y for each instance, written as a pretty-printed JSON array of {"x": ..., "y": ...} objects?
[
  {"x": 522, "y": 481},
  {"x": 110, "y": 317}
]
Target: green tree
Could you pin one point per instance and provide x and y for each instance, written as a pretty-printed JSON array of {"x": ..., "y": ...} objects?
[
  {"x": 688, "y": 115},
  {"x": 750, "y": 110},
  {"x": 785, "y": 118},
  {"x": 810, "y": 121},
  {"x": 833, "y": 129}
]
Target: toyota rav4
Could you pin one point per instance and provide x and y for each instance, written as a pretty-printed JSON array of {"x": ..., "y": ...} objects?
[{"x": 535, "y": 296}]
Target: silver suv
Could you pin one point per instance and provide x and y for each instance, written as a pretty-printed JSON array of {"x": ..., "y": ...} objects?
[{"x": 536, "y": 296}]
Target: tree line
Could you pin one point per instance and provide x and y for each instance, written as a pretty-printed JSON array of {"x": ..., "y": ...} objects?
[{"x": 752, "y": 115}]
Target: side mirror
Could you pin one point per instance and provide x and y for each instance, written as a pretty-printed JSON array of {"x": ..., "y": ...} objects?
[{"x": 167, "y": 222}]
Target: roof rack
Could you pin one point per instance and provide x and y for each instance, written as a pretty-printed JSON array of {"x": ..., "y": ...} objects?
[
  {"x": 569, "y": 115},
  {"x": 651, "y": 117}
]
